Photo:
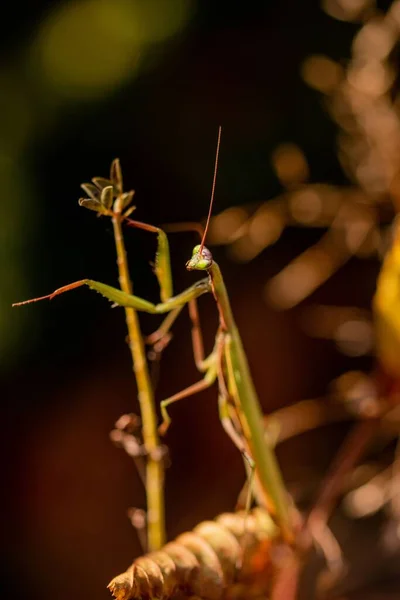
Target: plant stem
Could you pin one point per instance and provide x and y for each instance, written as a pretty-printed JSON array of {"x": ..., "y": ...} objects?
[
  {"x": 345, "y": 460},
  {"x": 154, "y": 465}
]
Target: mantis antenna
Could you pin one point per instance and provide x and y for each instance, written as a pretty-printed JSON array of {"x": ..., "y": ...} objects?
[{"x": 212, "y": 191}]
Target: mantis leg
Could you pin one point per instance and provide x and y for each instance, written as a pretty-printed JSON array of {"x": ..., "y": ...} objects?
[
  {"x": 163, "y": 263},
  {"x": 252, "y": 486},
  {"x": 225, "y": 411},
  {"x": 199, "y": 386},
  {"x": 123, "y": 299},
  {"x": 227, "y": 418},
  {"x": 197, "y": 338},
  {"x": 230, "y": 423},
  {"x": 161, "y": 337}
]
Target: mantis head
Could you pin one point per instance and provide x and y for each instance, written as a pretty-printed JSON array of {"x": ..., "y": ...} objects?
[{"x": 201, "y": 259}]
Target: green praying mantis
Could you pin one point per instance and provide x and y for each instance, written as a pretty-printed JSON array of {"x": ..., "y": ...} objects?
[{"x": 239, "y": 407}]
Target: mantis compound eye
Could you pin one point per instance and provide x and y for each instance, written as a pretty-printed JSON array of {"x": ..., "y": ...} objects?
[{"x": 200, "y": 261}]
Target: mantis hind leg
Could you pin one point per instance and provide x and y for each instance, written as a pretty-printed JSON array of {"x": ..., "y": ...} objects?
[
  {"x": 227, "y": 420},
  {"x": 231, "y": 423}
]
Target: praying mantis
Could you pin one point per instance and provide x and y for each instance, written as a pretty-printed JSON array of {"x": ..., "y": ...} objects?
[{"x": 239, "y": 407}]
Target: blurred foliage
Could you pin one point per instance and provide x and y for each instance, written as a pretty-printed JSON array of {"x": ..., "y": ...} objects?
[
  {"x": 81, "y": 51},
  {"x": 88, "y": 48}
]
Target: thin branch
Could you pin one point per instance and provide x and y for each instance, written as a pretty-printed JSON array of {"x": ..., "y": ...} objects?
[{"x": 154, "y": 465}]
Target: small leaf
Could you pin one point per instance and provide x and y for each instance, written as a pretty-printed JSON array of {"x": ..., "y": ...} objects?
[
  {"x": 129, "y": 211},
  {"x": 106, "y": 197},
  {"x": 101, "y": 182},
  {"x": 91, "y": 190},
  {"x": 91, "y": 204},
  {"x": 116, "y": 175},
  {"x": 126, "y": 198}
]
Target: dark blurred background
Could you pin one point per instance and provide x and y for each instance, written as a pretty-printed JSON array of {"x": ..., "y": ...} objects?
[{"x": 148, "y": 82}]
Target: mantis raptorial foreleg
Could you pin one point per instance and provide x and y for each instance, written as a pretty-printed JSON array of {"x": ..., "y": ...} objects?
[
  {"x": 160, "y": 338},
  {"x": 162, "y": 267},
  {"x": 120, "y": 298}
]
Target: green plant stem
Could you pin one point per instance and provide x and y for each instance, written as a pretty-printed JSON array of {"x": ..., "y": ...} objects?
[{"x": 154, "y": 464}]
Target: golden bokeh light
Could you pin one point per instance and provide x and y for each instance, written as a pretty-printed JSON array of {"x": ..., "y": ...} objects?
[
  {"x": 349, "y": 327},
  {"x": 367, "y": 499},
  {"x": 243, "y": 250},
  {"x": 375, "y": 39},
  {"x": 254, "y": 234},
  {"x": 290, "y": 164},
  {"x": 266, "y": 227},
  {"x": 227, "y": 225},
  {"x": 300, "y": 278},
  {"x": 370, "y": 78},
  {"x": 321, "y": 73},
  {"x": 346, "y": 10},
  {"x": 306, "y": 206},
  {"x": 354, "y": 337}
]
